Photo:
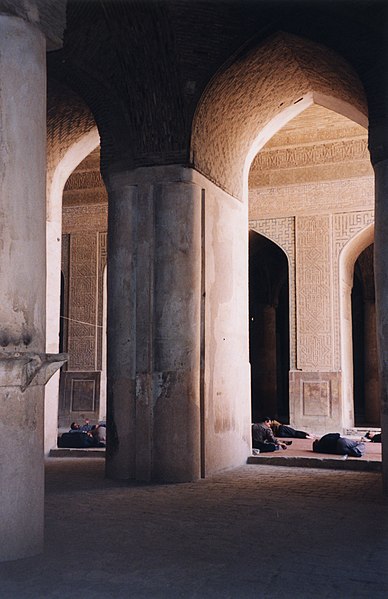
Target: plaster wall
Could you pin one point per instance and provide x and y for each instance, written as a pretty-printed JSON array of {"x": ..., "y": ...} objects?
[{"x": 226, "y": 384}]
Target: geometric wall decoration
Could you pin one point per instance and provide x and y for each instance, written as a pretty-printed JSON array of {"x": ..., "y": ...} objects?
[
  {"x": 82, "y": 330},
  {"x": 314, "y": 293}
]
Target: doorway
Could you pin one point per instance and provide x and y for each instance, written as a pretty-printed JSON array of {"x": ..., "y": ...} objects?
[
  {"x": 365, "y": 374},
  {"x": 269, "y": 335}
]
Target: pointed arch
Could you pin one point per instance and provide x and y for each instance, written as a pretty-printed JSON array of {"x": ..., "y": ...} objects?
[
  {"x": 355, "y": 246},
  {"x": 82, "y": 145},
  {"x": 269, "y": 327},
  {"x": 254, "y": 97}
]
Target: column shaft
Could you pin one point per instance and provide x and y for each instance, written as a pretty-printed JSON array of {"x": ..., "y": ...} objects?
[
  {"x": 121, "y": 331},
  {"x": 22, "y": 276},
  {"x": 154, "y": 277}
]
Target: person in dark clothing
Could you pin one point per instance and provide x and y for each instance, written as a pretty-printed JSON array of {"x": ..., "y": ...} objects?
[
  {"x": 284, "y": 430},
  {"x": 263, "y": 437},
  {"x": 373, "y": 437},
  {"x": 74, "y": 427},
  {"x": 87, "y": 427},
  {"x": 333, "y": 443}
]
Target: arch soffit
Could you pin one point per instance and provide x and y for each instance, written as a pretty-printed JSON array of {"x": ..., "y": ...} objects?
[{"x": 246, "y": 104}]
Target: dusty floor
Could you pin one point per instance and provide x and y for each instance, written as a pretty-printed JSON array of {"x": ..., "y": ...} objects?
[{"x": 254, "y": 532}]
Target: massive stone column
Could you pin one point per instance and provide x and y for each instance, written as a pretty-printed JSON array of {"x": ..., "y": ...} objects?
[
  {"x": 154, "y": 278},
  {"x": 381, "y": 286},
  {"x": 178, "y": 376},
  {"x": 24, "y": 368}
]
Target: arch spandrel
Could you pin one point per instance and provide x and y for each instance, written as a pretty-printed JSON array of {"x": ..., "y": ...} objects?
[{"x": 253, "y": 98}]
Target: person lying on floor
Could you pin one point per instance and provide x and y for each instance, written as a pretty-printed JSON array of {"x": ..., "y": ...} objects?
[
  {"x": 76, "y": 438},
  {"x": 333, "y": 443},
  {"x": 284, "y": 430},
  {"x": 373, "y": 437},
  {"x": 263, "y": 437},
  {"x": 99, "y": 434}
]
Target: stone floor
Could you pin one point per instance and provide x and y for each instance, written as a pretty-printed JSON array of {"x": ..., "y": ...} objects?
[{"x": 253, "y": 532}]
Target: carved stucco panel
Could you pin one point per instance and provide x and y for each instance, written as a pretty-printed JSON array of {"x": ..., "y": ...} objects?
[
  {"x": 306, "y": 155},
  {"x": 84, "y": 218},
  {"x": 82, "y": 329},
  {"x": 314, "y": 307},
  {"x": 310, "y": 198}
]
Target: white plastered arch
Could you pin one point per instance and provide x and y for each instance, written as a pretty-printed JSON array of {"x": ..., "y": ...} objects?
[{"x": 355, "y": 246}]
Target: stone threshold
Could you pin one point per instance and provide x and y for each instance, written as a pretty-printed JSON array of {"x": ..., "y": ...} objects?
[
  {"x": 337, "y": 463},
  {"x": 67, "y": 452}
]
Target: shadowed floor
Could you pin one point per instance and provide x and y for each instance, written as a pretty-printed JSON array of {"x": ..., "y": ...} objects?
[{"x": 253, "y": 532}]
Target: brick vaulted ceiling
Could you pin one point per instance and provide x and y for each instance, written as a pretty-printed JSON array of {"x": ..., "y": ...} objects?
[{"x": 140, "y": 67}]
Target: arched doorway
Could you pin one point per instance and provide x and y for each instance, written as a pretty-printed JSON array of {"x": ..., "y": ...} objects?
[
  {"x": 84, "y": 254},
  {"x": 365, "y": 374},
  {"x": 69, "y": 152},
  {"x": 268, "y": 328},
  {"x": 299, "y": 208}
]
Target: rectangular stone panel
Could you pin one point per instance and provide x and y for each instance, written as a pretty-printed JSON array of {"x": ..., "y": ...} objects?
[
  {"x": 316, "y": 398},
  {"x": 315, "y": 401},
  {"x": 83, "y": 395},
  {"x": 79, "y": 397}
]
